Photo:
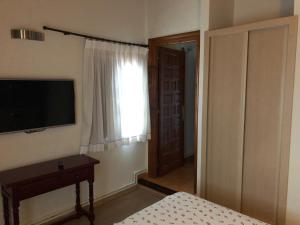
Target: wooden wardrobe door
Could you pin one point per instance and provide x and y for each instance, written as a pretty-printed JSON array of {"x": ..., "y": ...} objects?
[
  {"x": 226, "y": 106},
  {"x": 267, "y": 129},
  {"x": 249, "y": 166}
]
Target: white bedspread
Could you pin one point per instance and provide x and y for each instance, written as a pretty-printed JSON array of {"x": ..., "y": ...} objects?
[{"x": 182, "y": 208}]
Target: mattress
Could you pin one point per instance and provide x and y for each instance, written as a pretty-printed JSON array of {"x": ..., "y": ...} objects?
[{"x": 183, "y": 208}]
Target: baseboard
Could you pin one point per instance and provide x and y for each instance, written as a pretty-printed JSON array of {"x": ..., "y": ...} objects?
[
  {"x": 98, "y": 201},
  {"x": 138, "y": 174}
]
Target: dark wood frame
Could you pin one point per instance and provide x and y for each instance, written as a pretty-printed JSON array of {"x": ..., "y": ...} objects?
[{"x": 154, "y": 43}]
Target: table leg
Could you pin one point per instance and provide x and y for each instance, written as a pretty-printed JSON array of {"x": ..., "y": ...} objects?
[
  {"x": 78, "y": 205},
  {"x": 16, "y": 205},
  {"x": 5, "y": 209},
  {"x": 91, "y": 199}
]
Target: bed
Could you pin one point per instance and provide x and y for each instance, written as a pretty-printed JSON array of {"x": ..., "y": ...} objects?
[{"x": 183, "y": 208}]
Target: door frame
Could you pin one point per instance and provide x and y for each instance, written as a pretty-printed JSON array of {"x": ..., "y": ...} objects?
[{"x": 154, "y": 44}]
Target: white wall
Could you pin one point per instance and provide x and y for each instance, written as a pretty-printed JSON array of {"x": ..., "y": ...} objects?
[
  {"x": 61, "y": 57},
  {"x": 235, "y": 12},
  {"x": 293, "y": 205},
  {"x": 246, "y": 11},
  {"x": 172, "y": 17},
  {"x": 221, "y": 13},
  {"x": 204, "y": 26}
]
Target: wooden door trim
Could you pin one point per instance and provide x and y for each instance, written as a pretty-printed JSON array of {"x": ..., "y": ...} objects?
[
  {"x": 154, "y": 43},
  {"x": 292, "y": 21}
]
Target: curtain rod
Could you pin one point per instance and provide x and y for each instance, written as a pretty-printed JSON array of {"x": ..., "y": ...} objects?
[{"x": 92, "y": 37}]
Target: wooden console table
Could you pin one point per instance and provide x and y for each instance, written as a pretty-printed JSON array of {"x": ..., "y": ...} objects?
[{"x": 29, "y": 181}]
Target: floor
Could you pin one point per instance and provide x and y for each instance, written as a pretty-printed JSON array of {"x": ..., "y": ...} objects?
[
  {"x": 181, "y": 179},
  {"x": 121, "y": 207}
]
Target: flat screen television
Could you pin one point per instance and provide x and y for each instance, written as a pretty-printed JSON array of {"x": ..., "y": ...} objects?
[{"x": 30, "y": 105}]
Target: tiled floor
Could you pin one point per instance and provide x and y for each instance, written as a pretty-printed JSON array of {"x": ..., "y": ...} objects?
[
  {"x": 121, "y": 207},
  {"x": 181, "y": 179}
]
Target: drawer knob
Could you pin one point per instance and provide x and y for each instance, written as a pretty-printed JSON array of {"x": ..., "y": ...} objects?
[{"x": 61, "y": 165}]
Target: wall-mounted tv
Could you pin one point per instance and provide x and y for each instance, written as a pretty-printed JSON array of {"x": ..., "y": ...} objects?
[{"x": 29, "y": 105}]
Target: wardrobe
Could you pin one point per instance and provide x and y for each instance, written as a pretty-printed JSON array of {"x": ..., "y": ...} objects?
[{"x": 248, "y": 94}]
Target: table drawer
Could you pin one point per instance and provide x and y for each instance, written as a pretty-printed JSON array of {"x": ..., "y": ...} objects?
[
  {"x": 70, "y": 178},
  {"x": 48, "y": 184}
]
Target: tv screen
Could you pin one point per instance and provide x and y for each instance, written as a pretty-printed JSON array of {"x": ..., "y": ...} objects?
[{"x": 35, "y": 104}]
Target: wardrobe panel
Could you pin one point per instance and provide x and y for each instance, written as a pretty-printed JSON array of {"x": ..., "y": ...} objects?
[
  {"x": 226, "y": 85},
  {"x": 266, "y": 77}
]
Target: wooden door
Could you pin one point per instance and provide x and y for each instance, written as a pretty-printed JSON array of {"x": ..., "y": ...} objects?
[
  {"x": 171, "y": 108},
  {"x": 227, "y": 82},
  {"x": 268, "y": 115}
]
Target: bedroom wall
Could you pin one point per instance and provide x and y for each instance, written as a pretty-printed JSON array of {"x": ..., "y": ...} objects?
[
  {"x": 172, "y": 17},
  {"x": 61, "y": 57},
  {"x": 246, "y": 11},
  {"x": 221, "y": 13},
  {"x": 236, "y": 12}
]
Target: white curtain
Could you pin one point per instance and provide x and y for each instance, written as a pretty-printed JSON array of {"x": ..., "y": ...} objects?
[{"x": 115, "y": 96}]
